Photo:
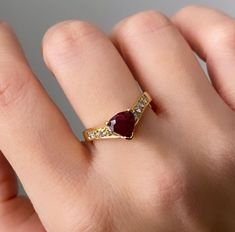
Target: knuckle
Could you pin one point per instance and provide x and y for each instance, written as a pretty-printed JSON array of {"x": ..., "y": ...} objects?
[
  {"x": 11, "y": 85},
  {"x": 188, "y": 10},
  {"x": 221, "y": 148},
  {"x": 222, "y": 137},
  {"x": 68, "y": 36},
  {"x": 167, "y": 186},
  {"x": 222, "y": 32},
  {"x": 224, "y": 147},
  {"x": 144, "y": 22},
  {"x": 69, "y": 30},
  {"x": 171, "y": 187}
]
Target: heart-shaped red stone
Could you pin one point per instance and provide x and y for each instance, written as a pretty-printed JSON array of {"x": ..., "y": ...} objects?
[{"x": 123, "y": 123}]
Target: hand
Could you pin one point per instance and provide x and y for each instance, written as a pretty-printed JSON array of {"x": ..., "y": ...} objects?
[{"x": 177, "y": 174}]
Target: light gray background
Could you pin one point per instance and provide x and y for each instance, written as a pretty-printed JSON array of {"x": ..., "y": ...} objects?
[{"x": 31, "y": 18}]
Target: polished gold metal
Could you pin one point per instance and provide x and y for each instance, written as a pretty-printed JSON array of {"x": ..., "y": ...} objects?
[{"x": 104, "y": 132}]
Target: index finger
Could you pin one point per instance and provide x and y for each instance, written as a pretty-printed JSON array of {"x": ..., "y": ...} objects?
[{"x": 35, "y": 137}]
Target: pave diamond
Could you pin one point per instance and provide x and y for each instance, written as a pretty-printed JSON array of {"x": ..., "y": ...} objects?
[
  {"x": 100, "y": 132},
  {"x": 139, "y": 110},
  {"x": 91, "y": 135},
  {"x": 139, "y": 107}
]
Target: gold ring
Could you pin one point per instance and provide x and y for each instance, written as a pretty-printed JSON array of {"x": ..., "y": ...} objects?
[{"x": 121, "y": 125}]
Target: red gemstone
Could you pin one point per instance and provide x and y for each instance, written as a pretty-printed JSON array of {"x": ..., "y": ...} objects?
[{"x": 123, "y": 123}]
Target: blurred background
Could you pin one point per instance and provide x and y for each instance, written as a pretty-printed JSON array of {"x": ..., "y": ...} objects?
[{"x": 31, "y": 19}]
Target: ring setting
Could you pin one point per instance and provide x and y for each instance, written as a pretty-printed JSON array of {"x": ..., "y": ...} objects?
[{"x": 121, "y": 125}]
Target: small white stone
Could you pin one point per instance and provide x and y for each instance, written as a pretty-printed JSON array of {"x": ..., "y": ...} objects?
[
  {"x": 103, "y": 132},
  {"x": 141, "y": 104},
  {"x": 108, "y": 131},
  {"x": 91, "y": 135},
  {"x": 136, "y": 115},
  {"x": 145, "y": 100},
  {"x": 96, "y": 134}
]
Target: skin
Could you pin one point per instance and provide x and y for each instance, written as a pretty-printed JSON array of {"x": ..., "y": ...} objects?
[{"x": 177, "y": 174}]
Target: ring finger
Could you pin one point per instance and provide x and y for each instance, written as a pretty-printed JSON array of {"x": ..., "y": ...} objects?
[{"x": 92, "y": 73}]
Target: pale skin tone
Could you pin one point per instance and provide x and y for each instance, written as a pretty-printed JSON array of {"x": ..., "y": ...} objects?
[{"x": 177, "y": 174}]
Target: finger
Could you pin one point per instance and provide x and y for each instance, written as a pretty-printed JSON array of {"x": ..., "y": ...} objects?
[
  {"x": 165, "y": 65},
  {"x": 10, "y": 218},
  {"x": 91, "y": 72},
  {"x": 8, "y": 183},
  {"x": 34, "y": 136},
  {"x": 212, "y": 35}
]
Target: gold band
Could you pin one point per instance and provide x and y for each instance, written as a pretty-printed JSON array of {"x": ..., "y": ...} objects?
[{"x": 105, "y": 131}]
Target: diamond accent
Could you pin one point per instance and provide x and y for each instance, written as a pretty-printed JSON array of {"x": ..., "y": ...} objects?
[
  {"x": 99, "y": 133},
  {"x": 140, "y": 106}
]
